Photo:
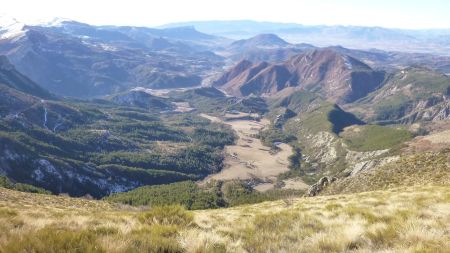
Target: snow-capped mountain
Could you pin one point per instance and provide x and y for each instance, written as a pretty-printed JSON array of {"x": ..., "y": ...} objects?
[
  {"x": 71, "y": 58},
  {"x": 11, "y": 28},
  {"x": 51, "y": 22}
]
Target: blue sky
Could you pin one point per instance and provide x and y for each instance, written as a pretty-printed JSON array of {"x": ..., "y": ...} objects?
[{"x": 413, "y": 14}]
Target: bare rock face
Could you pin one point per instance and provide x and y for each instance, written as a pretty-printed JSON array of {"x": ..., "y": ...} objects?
[
  {"x": 429, "y": 111},
  {"x": 371, "y": 164},
  {"x": 316, "y": 188}
]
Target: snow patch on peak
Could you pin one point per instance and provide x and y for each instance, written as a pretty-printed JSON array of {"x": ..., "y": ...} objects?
[
  {"x": 52, "y": 22},
  {"x": 11, "y": 28},
  {"x": 6, "y": 21}
]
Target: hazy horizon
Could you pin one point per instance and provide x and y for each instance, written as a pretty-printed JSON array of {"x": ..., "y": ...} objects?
[{"x": 413, "y": 14}]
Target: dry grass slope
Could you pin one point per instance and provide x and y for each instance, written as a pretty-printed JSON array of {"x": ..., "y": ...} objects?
[
  {"x": 408, "y": 219},
  {"x": 412, "y": 219},
  {"x": 417, "y": 169}
]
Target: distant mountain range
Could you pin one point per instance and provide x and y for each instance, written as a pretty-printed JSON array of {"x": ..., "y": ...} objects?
[
  {"x": 75, "y": 59},
  {"x": 430, "y": 41}
]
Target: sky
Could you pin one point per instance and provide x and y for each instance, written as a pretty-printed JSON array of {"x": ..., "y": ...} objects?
[{"x": 411, "y": 14}]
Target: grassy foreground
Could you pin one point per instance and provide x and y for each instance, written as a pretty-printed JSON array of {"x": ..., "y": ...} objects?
[{"x": 408, "y": 219}]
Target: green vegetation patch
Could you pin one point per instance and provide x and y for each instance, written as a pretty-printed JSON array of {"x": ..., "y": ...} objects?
[
  {"x": 297, "y": 101},
  {"x": 239, "y": 193},
  {"x": 8, "y": 184},
  {"x": 187, "y": 194},
  {"x": 271, "y": 136},
  {"x": 374, "y": 137}
]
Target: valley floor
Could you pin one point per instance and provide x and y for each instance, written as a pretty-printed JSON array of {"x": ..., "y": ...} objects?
[
  {"x": 408, "y": 219},
  {"x": 250, "y": 159}
]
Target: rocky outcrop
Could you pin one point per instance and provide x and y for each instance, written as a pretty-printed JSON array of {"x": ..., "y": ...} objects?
[
  {"x": 316, "y": 188},
  {"x": 425, "y": 110},
  {"x": 324, "y": 146},
  {"x": 370, "y": 165}
]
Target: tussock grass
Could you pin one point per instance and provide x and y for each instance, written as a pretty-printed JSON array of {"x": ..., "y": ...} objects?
[
  {"x": 42, "y": 223},
  {"x": 53, "y": 240},
  {"x": 167, "y": 215},
  {"x": 407, "y": 219}
]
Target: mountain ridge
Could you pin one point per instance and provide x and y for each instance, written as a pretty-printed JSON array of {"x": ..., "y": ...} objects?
[
  {"x": 359, "y": 37},
  {"x": 336, "y": 76}
]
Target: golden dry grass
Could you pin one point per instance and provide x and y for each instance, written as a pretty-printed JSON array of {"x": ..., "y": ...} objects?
[
  {"x": 415, "y": 219},
  {"x": 408, "y": 219}
]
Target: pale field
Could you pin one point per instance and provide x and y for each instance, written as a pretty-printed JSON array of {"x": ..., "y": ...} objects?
[
  {"x": 441, "y": 137},
  {"x": 182, "y": 107},
  {"x": 436, "y": 141},
  {"x": 249, "y": 158},
  {"x": 408, "y": 219},
  {"x": 162, "y": 92}
]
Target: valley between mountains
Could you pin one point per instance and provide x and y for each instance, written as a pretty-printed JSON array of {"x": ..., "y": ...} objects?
[{"x": 170, "y": 139}]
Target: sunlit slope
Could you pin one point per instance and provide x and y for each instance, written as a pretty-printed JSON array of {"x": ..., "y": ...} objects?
[{"x": 408, "y": 219}]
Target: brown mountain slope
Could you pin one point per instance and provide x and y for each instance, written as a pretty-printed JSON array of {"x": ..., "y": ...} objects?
[
  {"x": 337, "y": 77},
  {"x": 234, "y": 72}
]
